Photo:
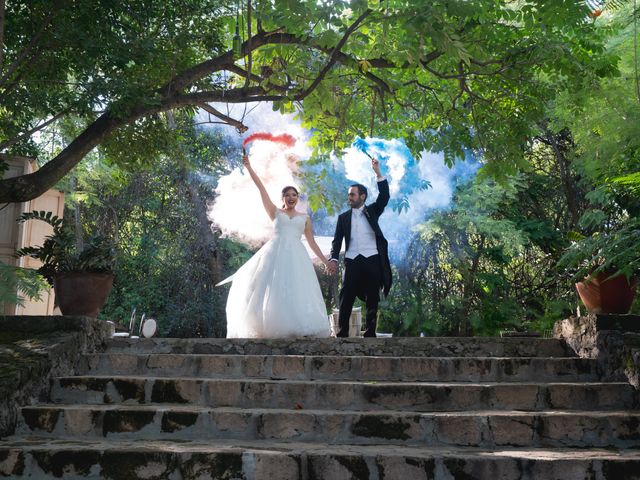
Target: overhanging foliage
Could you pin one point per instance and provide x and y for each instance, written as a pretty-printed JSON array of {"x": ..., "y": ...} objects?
[{"x": 461, "y": 74}]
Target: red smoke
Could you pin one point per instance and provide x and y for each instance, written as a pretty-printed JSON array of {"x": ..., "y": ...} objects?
[{"x": 284, "y": 139}]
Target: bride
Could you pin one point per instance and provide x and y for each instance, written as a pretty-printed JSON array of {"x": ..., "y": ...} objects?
[{"x": 276, "y": 293}]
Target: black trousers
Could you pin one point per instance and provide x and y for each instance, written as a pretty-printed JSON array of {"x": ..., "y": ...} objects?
[{"x": 362, "y": 279}]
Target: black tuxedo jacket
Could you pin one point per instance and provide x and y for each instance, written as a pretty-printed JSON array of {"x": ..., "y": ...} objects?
[{"x": 372, "y": 212}]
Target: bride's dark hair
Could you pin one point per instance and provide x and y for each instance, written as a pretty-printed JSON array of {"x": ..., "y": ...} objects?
[
  {"x": 289, "y": 187},
  {"x": 286, "y": 189}
]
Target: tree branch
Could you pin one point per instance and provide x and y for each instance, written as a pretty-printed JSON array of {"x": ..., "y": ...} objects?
[
  {"x": 172, "y": 95},
  {"x": 242, "y": 72},
  {"x": 27, "y": 187},
  {"x": 333, "y": 58},
  {"x": 13, "y": 141},
  {"x": 256, "y": 78},
  {"x": 26, "y": 51},
  {"x": 241, "y": 127},
  {"x": 236, "y": 95},
  {"x": 277, "y": 37}
]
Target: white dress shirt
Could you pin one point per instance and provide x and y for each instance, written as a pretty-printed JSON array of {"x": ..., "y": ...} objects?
[{"x": 363, "y": 238}]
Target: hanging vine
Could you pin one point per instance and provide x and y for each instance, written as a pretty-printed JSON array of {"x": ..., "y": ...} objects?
[
  {"x": 373, "y": 113},
  {"x": 635, "y": 47},
  {"x": 249, "y": 59}
]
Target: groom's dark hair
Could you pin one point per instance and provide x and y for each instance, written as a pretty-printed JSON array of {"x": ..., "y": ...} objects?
[{"x": 362, "y": 190}]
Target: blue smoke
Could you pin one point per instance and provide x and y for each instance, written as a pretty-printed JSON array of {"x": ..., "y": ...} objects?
[{"x": 418, "y": 187}]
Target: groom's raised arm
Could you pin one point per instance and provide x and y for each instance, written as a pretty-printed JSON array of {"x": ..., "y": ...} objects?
[
  {"x": 383, "y": 197},
  {"x": 383, "y": 189}
]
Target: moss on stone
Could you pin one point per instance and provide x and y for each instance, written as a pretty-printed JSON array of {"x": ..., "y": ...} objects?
[
  {"x": 66, "y": 462},
  {"x": 41, "y": 419},
  {"x": 7, "y": 338},
  {"x": 130, "y": 389},
  {"x": 125, "y": 421},
  {"x": 32, "y": 349},
  {"x": 357, "y": 466},
  {"x": 92, "y": 384},
  {"x": 223, "y": 466},
  {"x": 124, "y": 465},
  {"x": 618, "y": 470},
  {"x": 381, "y": 427},
  {"x": 427, "y": 465},
  {"x": 632, "y": 425},
  {"x": 20, "y": 357},
  {"x": 14, "y": 468},
  {"x": 456, "y": 467},
  {"x": 166, "y": 391},
  {"x": 628, "y": 362},
  {"x": 509, "y": 368},
  {"x": 173, "y": 421}
]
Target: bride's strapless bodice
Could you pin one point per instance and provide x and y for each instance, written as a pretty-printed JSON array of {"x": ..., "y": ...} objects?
[{"x": 289, "y": 227}]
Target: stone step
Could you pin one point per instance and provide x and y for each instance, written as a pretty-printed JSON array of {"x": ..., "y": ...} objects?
[
  {"x": 486, "y": 429},
  {"x": 298, "y": 367},
  {"x": 341, "y": 395},
  {"x": 224, "y": 459},
  {"x": 393, "y": 347}
]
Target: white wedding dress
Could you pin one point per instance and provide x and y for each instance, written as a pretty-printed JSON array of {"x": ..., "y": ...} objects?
[{"x": 276, "y": 293}]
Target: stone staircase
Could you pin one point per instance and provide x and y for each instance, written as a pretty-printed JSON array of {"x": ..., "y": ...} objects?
[{"x": 401, "y": 408}]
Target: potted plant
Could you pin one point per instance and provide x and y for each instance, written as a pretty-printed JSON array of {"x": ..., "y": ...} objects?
[
  {"x": 81, "y": 273},
  {"x": 606, "y": 266}
]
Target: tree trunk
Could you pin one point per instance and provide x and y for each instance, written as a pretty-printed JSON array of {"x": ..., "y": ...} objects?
[
  {"x": 207, "y": 247},
  {"x": 28, "y": 187},
  {"x": 207, "y": 239},
  {"x": 464, "y": 325},
  {"x": 560, "y": 143}
]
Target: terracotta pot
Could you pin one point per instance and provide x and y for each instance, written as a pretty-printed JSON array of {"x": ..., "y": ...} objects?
[
  {"x": 601, "y": 294},
  {"x": 82, "y": 293}
]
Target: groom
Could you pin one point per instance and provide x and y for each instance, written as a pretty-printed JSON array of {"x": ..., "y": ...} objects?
[{"x": 366, "y": 262}]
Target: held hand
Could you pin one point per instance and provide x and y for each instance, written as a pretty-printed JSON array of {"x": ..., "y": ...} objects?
[{"x": 332, "y": 268}]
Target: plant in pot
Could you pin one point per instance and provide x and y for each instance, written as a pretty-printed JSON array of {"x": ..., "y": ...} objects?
[
  {"x": 606, "y": 267},
  {"x": 81, "y": 273}
]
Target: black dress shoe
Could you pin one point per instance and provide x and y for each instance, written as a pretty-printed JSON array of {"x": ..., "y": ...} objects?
[{"x": 370, "y": 334}]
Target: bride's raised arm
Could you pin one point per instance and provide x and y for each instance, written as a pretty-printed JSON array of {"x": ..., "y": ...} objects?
[
  {"x": 266, "y": 201},
  {"x": 308, "y": 234}
]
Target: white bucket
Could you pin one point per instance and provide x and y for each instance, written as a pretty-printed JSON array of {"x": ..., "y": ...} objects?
[
  {"x": 333, "y": 321},
  {"x": 355, "y": 322}
]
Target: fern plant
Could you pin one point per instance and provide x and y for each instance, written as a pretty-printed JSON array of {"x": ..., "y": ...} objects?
[
  {"x": 59, "y": 252},
  {"x": 616, "y": 252},
  {"x": 18, "y": 283}
]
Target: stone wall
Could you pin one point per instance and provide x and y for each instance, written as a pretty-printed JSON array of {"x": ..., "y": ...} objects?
[
  {"x": 35, "y": 348},
  {"x": 613, "y": 340}
]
